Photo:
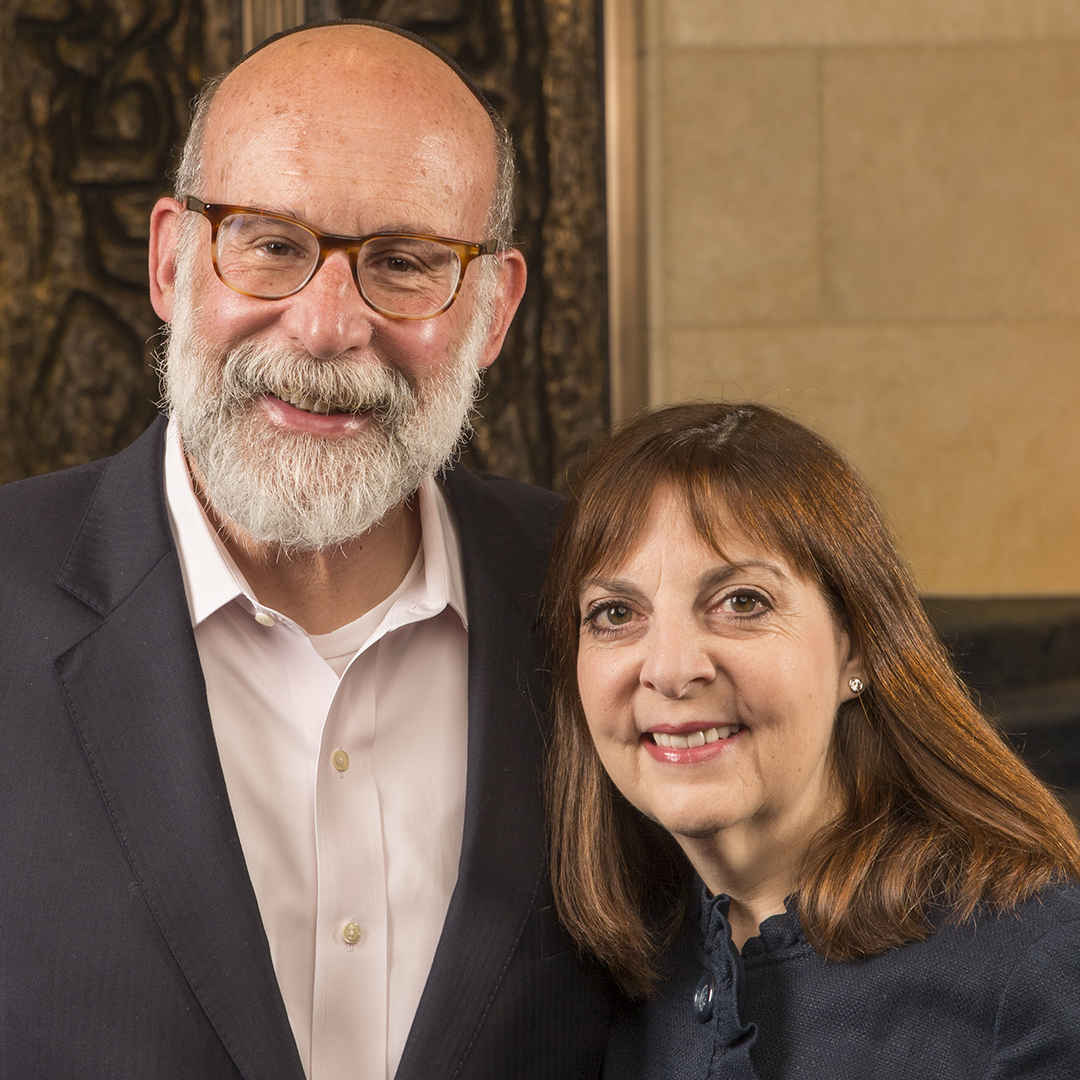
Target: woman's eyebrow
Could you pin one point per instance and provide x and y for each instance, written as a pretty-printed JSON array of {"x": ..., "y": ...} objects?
[
  {"x": 713, "y": 576},
  {"x": 617, "y": 585},
  {"x": 718, "y": 575}
]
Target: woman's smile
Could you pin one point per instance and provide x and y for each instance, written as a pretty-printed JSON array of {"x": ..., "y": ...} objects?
[{"x": 690, "y": 745}]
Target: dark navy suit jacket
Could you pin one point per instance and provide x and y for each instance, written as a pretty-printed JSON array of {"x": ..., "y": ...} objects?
[{"x": 130, "y": 939}]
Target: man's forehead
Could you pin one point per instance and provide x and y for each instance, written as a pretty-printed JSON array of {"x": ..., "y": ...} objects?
[
  {"x": 370, "y": 120},
  {"x": 342, "y": 68}
]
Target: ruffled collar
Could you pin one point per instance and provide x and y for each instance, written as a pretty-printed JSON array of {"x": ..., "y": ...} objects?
[{"x": 780, "y": 931}]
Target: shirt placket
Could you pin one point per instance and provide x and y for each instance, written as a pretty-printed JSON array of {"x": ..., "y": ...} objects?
[{"x": 350, "y": 1003}]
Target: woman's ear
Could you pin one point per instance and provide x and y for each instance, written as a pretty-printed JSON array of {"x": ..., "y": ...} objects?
[{"x": 853, "y": 680}]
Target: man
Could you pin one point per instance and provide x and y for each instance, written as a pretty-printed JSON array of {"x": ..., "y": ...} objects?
[{"x": 269, "y": 785}]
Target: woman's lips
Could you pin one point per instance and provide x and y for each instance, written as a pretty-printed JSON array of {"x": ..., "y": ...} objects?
[{"x": 686, "y": 747}]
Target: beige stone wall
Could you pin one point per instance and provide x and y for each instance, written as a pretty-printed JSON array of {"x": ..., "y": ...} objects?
[{"x": 869, "y": 213}]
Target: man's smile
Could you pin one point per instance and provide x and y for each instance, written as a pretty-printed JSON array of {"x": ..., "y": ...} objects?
[
  {"x": 309, "y": 404},
  {"x": 299, "y": 400}
]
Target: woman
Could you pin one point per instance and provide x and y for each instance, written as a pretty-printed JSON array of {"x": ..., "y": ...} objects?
[{"x": 820, "y": 860}]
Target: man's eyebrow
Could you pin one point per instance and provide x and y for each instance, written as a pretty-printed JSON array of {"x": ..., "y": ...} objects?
[
  {"x": 275, "y": 211},
  {"x": 392, "y": 229},
  {"x": 409, "y": 230}
]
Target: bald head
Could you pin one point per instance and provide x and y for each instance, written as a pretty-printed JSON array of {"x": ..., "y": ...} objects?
[{"x": 343, "y": 87}]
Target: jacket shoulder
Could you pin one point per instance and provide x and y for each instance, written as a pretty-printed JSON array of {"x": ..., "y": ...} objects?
[
  {"x": 1053, "y": 910},
  {"x": 483, "y": 495},
  {"x": 40, "y": 516}
]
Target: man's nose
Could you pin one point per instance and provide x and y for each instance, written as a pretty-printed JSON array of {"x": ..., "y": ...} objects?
[
  {"x": 328, "y": 317},
  {"x": 678, "y": 658}
]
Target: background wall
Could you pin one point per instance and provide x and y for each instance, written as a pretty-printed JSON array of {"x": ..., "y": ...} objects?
[
  {"x": 869, "y": 214},
  {"x": 94, "y": 101}
]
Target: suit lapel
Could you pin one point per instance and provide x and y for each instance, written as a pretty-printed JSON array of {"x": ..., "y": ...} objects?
[
  {"x": 503, "y": 853},
  {"x": 136, "y": 694}
]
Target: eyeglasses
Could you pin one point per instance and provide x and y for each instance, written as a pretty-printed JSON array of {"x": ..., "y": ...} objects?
[{"x": 270, "y": 256}]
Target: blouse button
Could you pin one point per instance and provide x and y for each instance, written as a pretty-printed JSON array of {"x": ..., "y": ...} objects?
[
  {"x": 351, "y": 933},
  {"x": 340, "y": 760},
  {"x": 703, "y": 999}
]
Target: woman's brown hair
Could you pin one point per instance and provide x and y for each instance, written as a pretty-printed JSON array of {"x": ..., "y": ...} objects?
[{"x": 937, "y": 811}]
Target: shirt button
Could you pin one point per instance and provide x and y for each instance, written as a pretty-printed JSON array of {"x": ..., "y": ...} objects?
[
  {"x": 264, "y": 618},
  {"x": 351, "y": 933},
  {"x": 703, "y": 999},
  {"x": 340, "y": 761}
]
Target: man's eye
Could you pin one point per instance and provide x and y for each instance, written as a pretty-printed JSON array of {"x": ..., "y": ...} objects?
[
  {"x": 271, "y": 247},
  {"x": 396, "y": 264}
]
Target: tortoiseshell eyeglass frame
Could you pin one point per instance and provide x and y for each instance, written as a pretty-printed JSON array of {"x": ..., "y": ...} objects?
[{"x": 216, "y": 213}]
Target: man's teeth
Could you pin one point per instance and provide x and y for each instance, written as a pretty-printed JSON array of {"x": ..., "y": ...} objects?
[
  {"x": 695, "y": 738},
  {"x": 308, "y": 404}
]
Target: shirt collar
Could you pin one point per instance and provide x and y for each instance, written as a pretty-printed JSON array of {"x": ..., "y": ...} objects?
[
  {"x": 442, "y": 582},
  {"x": 212, "y": 579}
]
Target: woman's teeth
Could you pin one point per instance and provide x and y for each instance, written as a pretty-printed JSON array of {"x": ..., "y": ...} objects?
[{"x": 695, "y": 738}]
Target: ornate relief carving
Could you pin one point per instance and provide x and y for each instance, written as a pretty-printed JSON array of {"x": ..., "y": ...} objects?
[{"x": 93, "y": 103}]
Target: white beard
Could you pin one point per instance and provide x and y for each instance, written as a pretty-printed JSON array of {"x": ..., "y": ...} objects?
[{"x": 296, "y": 490}]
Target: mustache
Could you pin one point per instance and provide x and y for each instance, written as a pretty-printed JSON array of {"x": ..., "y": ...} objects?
[{"x": 344, "y": 384}]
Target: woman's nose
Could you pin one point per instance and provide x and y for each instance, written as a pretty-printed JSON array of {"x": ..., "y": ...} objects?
[{"x": 677, "y": 659}]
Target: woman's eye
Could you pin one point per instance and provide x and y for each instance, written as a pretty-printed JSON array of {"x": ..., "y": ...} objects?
[
  {"x": 606, "y": 617},
  {"x": 745, "y": 604}
]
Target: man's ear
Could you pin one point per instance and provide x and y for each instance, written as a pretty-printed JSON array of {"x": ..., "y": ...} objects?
[
  {"x": 164, "y": 234},
  {"x": 508, "y": 294}
]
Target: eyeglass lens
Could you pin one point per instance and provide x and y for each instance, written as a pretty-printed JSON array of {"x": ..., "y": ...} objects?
[{"x": 400, "y": 275}]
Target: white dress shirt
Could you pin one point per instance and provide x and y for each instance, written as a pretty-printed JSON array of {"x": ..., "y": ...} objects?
[{"x": 344, "y": 757}]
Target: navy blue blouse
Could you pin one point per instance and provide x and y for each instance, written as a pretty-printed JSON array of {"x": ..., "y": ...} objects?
[{"x": 995, "y": 998}]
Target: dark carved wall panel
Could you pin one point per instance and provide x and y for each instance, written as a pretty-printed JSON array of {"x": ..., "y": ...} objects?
[
  {"x": 538, "y": 62},
  {"x": 94, "y": 101}
]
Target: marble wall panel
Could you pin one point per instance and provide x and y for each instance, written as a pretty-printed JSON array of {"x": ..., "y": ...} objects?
[
  {"x": 900, "y": 266},
  {"x": 964, "y": 430},
  {"x": 861, "y": 22},
  {"x": 950, "y": 179},
  {"x": 742, "y": 192}
]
